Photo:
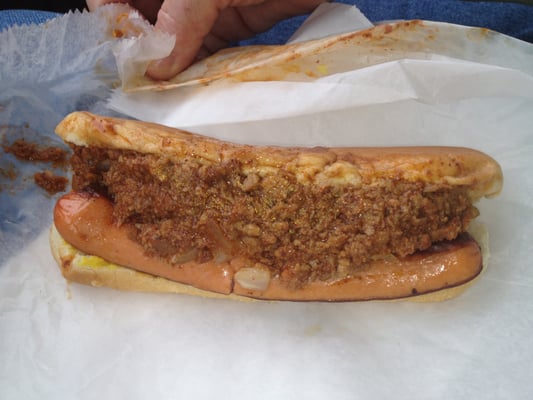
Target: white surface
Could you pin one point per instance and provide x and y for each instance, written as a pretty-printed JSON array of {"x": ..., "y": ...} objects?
[{"x": 71, "y": 341}]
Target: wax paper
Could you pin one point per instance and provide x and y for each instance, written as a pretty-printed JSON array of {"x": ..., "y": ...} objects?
[{"x": 60, "y": 340}]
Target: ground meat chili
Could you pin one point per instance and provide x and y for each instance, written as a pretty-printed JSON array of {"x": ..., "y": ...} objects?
[
  {"x": 301, "y": 232},
  {"x": 50, "y": 182},
  {"x": 29, "y": 151}
]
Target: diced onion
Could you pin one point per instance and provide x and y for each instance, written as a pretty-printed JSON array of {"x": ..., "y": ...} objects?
[{"x": 253, "y": 278}]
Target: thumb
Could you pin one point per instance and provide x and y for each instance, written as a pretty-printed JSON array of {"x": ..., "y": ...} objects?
[{"x": 190, "y": 21}]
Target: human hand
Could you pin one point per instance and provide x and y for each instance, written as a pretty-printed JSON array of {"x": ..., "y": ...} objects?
[{"x": 205, "y": 26}]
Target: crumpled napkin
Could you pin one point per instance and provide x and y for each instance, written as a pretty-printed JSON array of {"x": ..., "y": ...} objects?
[{"x": 47, "y": 71}]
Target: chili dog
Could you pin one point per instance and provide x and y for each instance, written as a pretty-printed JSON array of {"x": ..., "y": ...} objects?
[{"x": 159, "y": 209}]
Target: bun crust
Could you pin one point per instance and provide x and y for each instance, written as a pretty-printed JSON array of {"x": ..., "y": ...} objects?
[{"x": 451, "y": 166}]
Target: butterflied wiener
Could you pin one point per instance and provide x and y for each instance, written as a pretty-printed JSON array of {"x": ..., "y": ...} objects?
[{"x": 158, "y": 209}]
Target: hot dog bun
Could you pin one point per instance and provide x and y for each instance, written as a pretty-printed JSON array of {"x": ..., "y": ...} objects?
[{"x": 227, "y": 220}]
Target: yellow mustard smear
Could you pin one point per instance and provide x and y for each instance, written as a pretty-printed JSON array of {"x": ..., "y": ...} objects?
[
  {"x": 94, "y": 262},
  {"x": 322, "y": 69}
]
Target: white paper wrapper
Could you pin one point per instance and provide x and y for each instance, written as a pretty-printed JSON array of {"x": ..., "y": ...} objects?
[{"x": 71, "y": 341}]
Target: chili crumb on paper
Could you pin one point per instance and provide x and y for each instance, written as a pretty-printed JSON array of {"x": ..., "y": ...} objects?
[
  {"x": 29, "y": 151},
  {"x": 33, "y": 152},
  {"x": 50, "y": 182}
]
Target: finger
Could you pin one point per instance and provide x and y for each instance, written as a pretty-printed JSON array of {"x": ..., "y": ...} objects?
[
  {"x": 238, "y": 23},
  {"x": 260, "y": 17},
  {"x": 190, "y": 21}
]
